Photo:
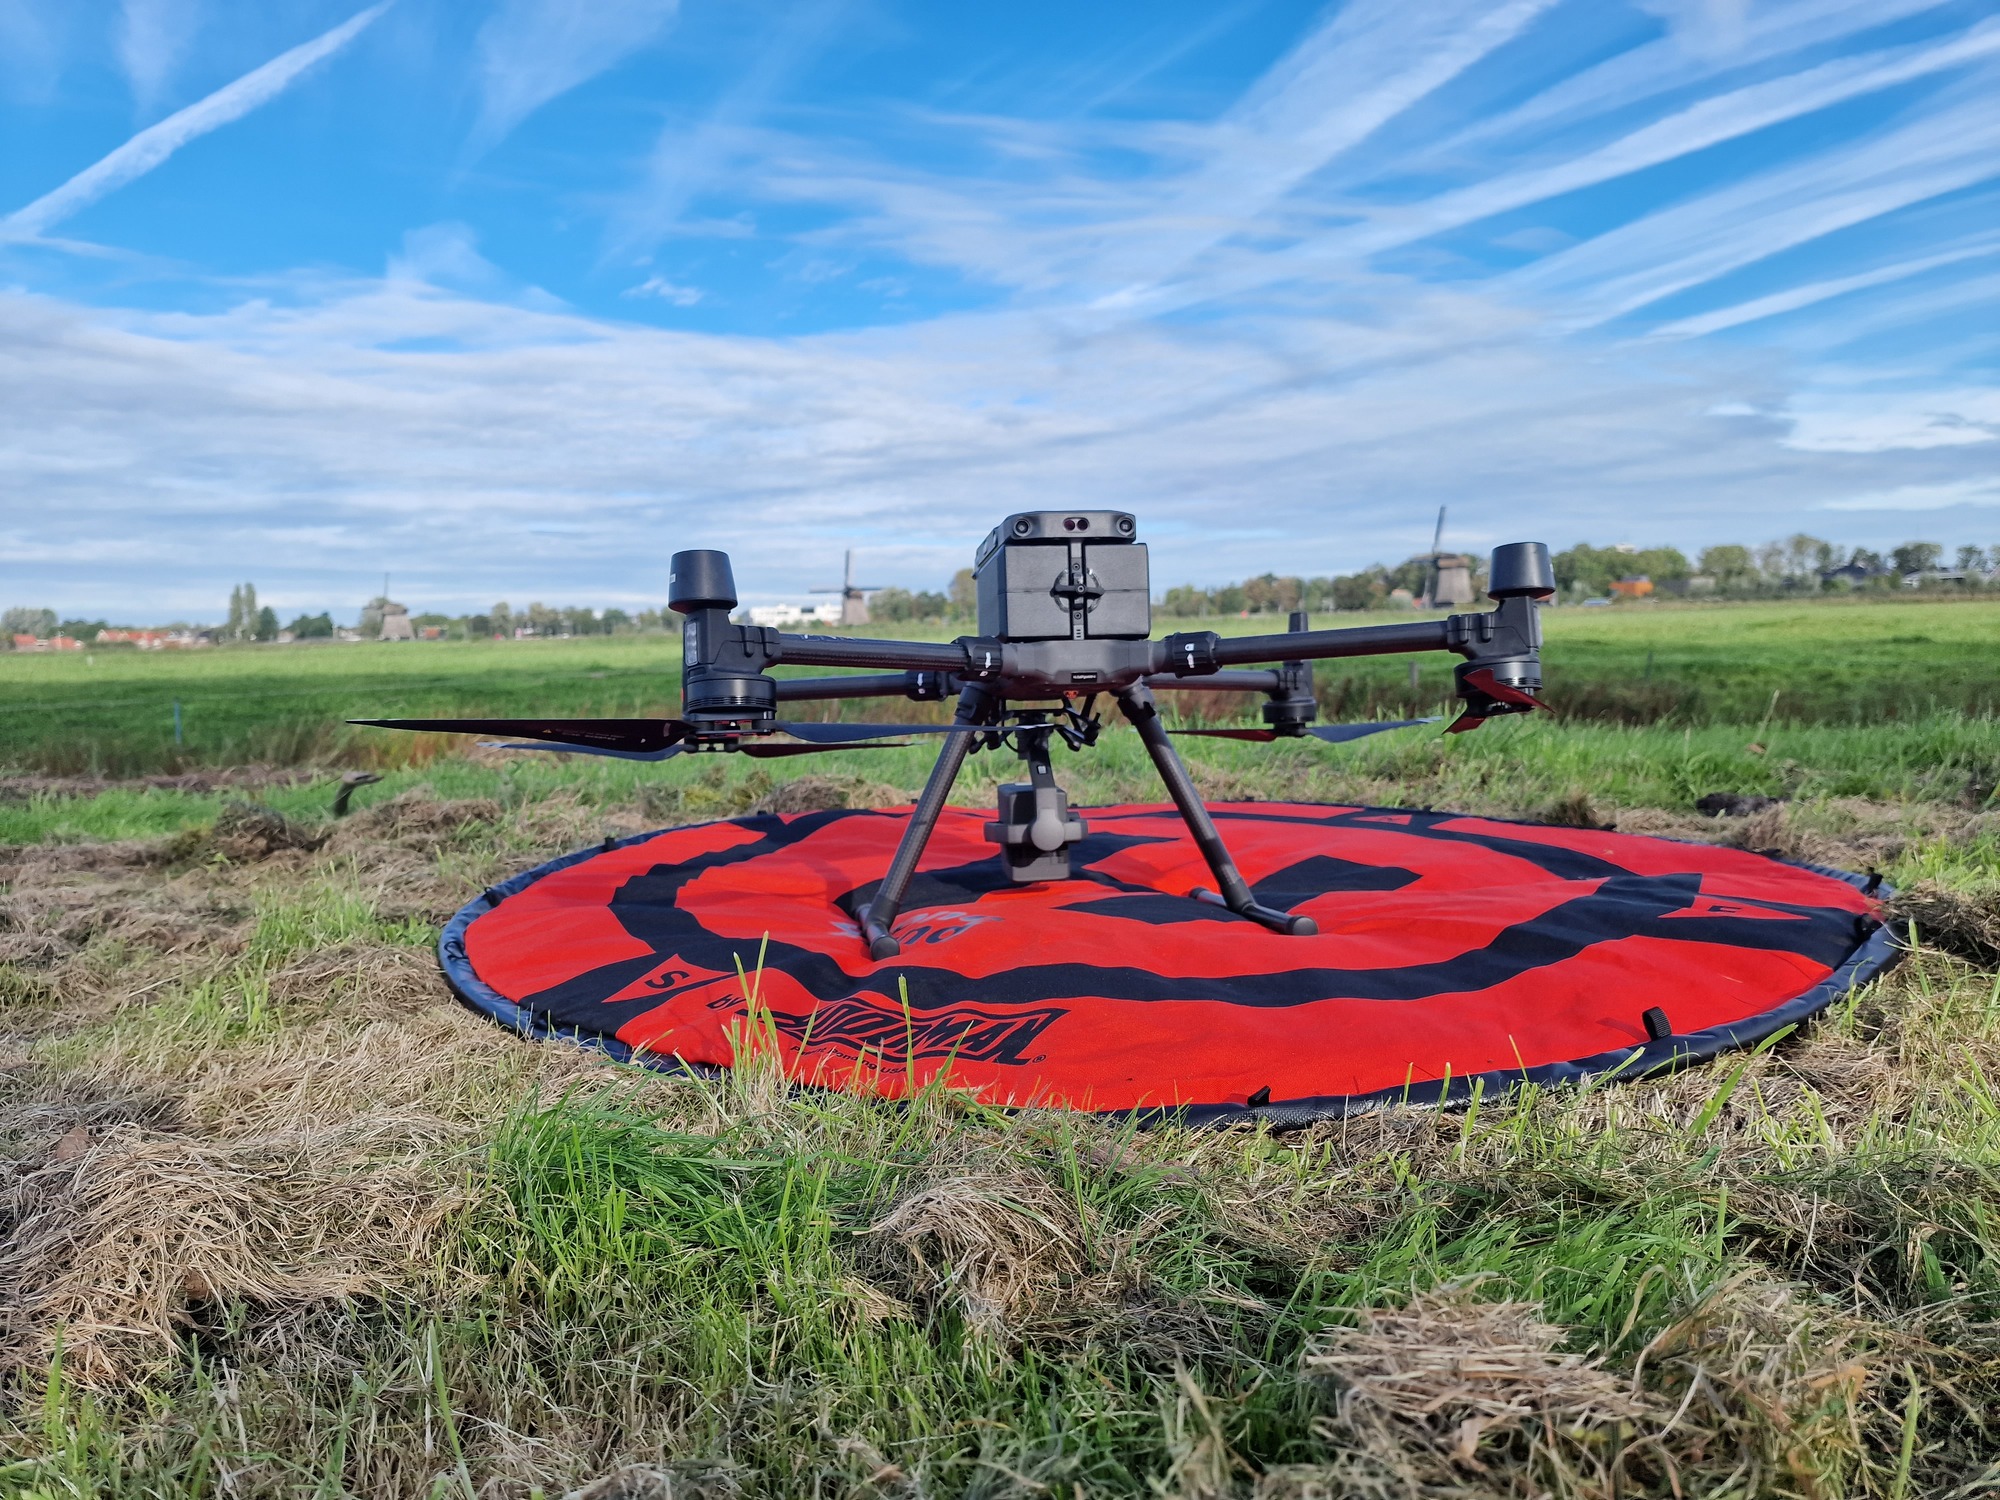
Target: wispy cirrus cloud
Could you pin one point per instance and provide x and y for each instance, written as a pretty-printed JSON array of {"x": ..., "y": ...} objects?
[
  {"x": 153, "y": 145},
  {"x": 153, "y": 40},
  {"x": 532, "y": 51}
]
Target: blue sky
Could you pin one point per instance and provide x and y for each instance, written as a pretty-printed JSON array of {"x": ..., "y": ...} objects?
[{"x": 513, "y": 299}]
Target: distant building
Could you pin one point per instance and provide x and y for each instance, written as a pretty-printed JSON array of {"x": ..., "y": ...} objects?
[
  {"x": 1454, "y": 581},
  {"x": 775, "y": 616},
  {"x": 1850, "y": 575},
  {"x": 1633, "y": 586},
  {"x": 396, "y": 622}
]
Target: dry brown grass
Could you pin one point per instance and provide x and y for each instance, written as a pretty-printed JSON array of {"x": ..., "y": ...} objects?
[
  {"x": 1002, "y": 1245},
  {"x": 1446, "y": 1371}
]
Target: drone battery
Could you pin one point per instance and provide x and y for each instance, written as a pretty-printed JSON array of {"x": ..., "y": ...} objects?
[{"x": 1062, "y": 575}]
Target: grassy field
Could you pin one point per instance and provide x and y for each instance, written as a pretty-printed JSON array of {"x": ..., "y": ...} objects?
[
  {"x": 113, "y": 713},
  {"x": 280, "y": 1219}
]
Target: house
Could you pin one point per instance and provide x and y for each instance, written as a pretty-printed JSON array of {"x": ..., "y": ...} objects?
[
  {"x": 1633, "y": 586},
  {"x": 772, "y": 616}
]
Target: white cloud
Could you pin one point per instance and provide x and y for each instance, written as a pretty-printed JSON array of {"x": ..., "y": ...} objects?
[
  {"x": 443, "y": 435},
  {"x": 532, "y": 51},
  {"x": 666, "y": 291},
  {"x": 1878, "y": 422},
  {"x": 153, "y": 38},
  {"x": 1979, "y": 492},
  {"x": 156, "y": 143}
]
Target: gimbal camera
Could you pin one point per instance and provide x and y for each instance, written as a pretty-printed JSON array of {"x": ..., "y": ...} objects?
[{"x": 1065, "y": 618}]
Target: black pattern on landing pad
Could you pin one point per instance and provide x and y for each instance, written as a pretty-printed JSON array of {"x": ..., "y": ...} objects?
[{"x": 938, "y": 1009}]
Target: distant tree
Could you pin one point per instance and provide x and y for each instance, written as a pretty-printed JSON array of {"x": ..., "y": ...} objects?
[
  {"x": 82, "y": 630},
  {"x": 1916, "y": 557},
  {"x": 235, "y": 622},
  {"x": 649, "y": 619},
  {"x": 40, "y": 623},
  {"x": 1229, "y": 599},
  {"x": 543, "y": 620},
  {"x": 1364, "y": 590},
  {"x": 267, "y": 624},
  {"x": 478, "y": 627},
  {"x": 1971, "y": 560},
  {"x": 1863, "y": 558},
  {"x": 312, "y": 627},
  {"x": 503, "y": 619},
  {"x": 614, "y": 620},
  {"x": 1729, "y": 565},
  {"x": 1184, "y": 601},
  {"x": 964, "y": 592},
  {"x": 1806, "y": 557}
]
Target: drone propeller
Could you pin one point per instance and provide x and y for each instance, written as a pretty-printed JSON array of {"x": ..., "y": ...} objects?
[
  {"x": 656, "y": 739},
  {"x": 1490, "y": 696},
  {"x": 834, "y": 732},
  {"x": 636, "y": 739},
  {"x": 759, "y": 752},
  {"x": 1333, "y": 734}
]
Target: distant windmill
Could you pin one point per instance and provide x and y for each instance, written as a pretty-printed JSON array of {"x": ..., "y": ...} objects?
[
  {"x": 1451, "y": 573},
  {"x": 853, "y": 596}
]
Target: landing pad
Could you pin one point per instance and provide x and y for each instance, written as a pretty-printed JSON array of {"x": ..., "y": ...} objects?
[{"x": 1453, "y": 952}]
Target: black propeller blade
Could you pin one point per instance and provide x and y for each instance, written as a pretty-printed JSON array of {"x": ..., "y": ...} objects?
[
  {"x": 833, "y": 732},
  {"x": 653, "y": 739},
  {"x": 642, "y": 739},
  {"x": 1333, "y": 734}
]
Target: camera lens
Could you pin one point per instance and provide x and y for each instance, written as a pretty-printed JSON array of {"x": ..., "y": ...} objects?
[
  {"x": 1083, "y": 523},
  {"x": 1125, "y": 524},
  {"x": 1023, "y": 526}
]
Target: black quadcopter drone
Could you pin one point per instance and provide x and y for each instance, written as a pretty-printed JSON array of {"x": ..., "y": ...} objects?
[{"x": 1065, "y": 616}]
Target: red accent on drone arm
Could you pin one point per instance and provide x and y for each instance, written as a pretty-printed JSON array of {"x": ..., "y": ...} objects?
[{"x": 1318, "y": 645}]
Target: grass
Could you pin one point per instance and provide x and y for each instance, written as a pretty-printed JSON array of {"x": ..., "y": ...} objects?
[
  {"x": 112, "y": 713},
  {"x": 283, "y": 1220}
]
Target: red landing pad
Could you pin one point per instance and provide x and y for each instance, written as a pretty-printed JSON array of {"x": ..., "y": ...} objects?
[{"x": 1452, "y": 951}]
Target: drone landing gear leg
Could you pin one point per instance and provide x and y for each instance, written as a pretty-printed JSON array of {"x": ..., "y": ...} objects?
[
  {"x": 1137, "y": 702},
  {"x": 880, "y": 914}
]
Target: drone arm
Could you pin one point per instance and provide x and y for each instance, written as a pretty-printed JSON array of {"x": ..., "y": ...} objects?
[
  {"x": 1219, "y": 682},
  {"x": 920, "y": 687},
  {"x": 895, "y": 656},
  {"x": 1319, "y": 645}
]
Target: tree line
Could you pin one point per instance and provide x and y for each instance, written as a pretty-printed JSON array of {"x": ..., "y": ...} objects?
[{"x": 1800, "y": 563}]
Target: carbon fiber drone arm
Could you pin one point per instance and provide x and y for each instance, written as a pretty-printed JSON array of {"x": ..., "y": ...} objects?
[
  {"x": 919, "y": 687},
  {"x": 1220, "y": 682}
]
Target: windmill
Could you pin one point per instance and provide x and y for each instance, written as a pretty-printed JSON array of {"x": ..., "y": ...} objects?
[
  {"x": 853, "y": 596},
  {"x": 1451, "y": 573}
]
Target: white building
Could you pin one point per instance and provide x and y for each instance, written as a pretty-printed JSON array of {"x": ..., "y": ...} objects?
[{"x": 777, "y": 616}]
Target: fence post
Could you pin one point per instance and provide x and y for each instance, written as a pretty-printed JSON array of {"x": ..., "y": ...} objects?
[{"x": 177, "y": 721}]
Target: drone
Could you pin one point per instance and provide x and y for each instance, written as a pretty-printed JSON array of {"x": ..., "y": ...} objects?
[{"x": 1065, "y": 620}]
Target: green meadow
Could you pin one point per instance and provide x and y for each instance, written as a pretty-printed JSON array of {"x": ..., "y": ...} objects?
[
  {"x": 281, "y": 1219},
  {"x": 113, "y": 713}
]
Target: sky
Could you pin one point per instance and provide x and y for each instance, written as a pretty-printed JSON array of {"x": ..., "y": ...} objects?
[{"x": 513, "y": 299}]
